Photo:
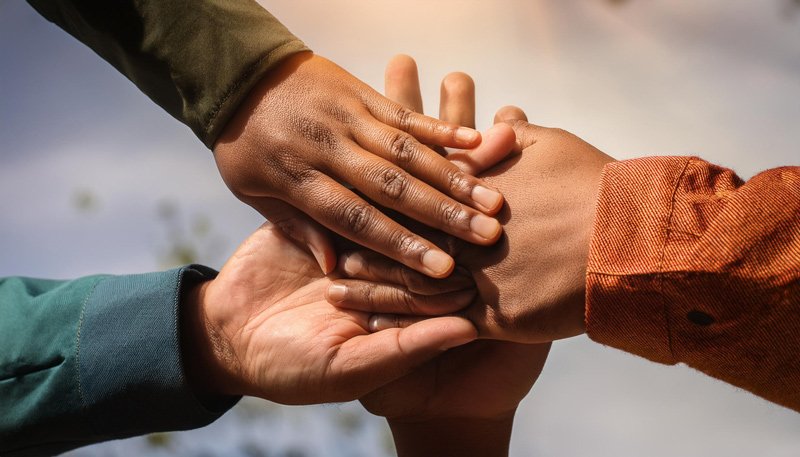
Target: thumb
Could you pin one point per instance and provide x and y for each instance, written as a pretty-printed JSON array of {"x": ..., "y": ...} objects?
[
  {"x": 302, "y": 230},
  {"x": 374, "y": 360},
  {"x": 497, "y": 143},
  {"x": 513, "y": 116}
]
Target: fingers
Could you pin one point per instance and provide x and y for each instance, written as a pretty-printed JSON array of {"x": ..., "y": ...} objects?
[
  {"x": 457, "y": 105},
  {"x": 401, "y": 82},
  {"x": 527, "y": 134},
  {"x": 370, "y": 361},
  {"x": 421, "y": 162},
  {"x": 388, "y": 298},
  {"x": 371, "y": 266},
  {"x": 498, "y": 142},
  {"x": 510, "y": 113},
  {"x": 392, "y": 187},
  {"x": 347, "y": 214},
  {"x": 298, "y": 227},
  {"x": 424, "y": 128},
  {"x": 457, "y": 99},
  {"x": 379, "y": 322}
]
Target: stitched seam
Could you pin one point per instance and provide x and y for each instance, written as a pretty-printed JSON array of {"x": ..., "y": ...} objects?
[
  {"x": 662, "y": 259},
  {"x": 81, "y": 397},
  {"x": 212, "y": 115}
]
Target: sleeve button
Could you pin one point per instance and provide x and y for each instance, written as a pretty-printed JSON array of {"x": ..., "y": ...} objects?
[{"x": 699, "y": 318}]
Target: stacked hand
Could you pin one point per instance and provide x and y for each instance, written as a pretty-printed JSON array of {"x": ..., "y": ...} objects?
[
  {"x": 532, "y": 283},
  {"x": 462, "y": 402},
  {"x": 274, "y": 327},
  {"x": 264, "y": 328},
  {"x": 310, "y": 127}
]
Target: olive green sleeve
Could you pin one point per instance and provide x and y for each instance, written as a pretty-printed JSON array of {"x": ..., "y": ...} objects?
[{"x": 197, "y": 59}]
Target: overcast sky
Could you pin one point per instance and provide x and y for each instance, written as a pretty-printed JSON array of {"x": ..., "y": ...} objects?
[{"x": 719, "y": 79}]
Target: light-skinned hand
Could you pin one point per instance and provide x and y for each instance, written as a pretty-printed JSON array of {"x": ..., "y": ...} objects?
[{"x": 264, "y": 328}]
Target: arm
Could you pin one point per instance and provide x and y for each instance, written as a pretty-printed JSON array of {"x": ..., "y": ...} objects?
[
  {"x": 288, "y": 127},
  {"x": 109, "y": 357},
  {"x": 94, "y": 359},
  {"x": 196, "y": 59},
  {"x": 687, "y": 263},
  {"x": 690, "y": 264}
]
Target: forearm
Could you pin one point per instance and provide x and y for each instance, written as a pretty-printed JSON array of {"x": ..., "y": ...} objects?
[
  {"x": 690, "y": 264},
  {"x": 453, "y": 437},
  {"x": 196, "y": 59},
  {"x": 93, "y": 359}
]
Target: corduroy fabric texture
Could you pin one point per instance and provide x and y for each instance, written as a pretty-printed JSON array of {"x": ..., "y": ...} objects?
[{"x": 689, "y": 264}]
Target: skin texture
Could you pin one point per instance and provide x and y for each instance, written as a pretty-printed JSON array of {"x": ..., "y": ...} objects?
[
  {"x": 310, "y": 127},
  {"x": 462, "y": 402},
  {"x": 264, "y": 328},
  {"x": 532, "y": 282}
]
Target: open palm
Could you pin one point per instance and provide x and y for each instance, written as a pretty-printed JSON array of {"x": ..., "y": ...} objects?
[{"x": 278, "y": 337}]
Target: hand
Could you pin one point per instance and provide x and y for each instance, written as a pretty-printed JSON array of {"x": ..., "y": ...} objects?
[
  {"x": 310, "y": 125},
  {"x": 532, "y": 283},
  {"x": 463, "y": 401},
  {"x": 264, "y": 328}
]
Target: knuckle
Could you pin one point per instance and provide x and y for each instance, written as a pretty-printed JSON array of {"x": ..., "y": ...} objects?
[
  {"x": 355, "y": 216},
  {"x": 454, "y": 216},
  {"x": 301, "y": 177},
  {"x": 316, "y": 132},
  {"x": 403, "y": 116},
  {"x": 406, "y": 244},
  {"x": 457, "y": 182},
  {"x": 367, "y": 292},
  {"x": 407, "y": 302},
  {"x": 340, "y": 113},
  {"x": 526, "y": 133},
  {"x": 402, "y": 149},
  {"x": 393, "y": 183}
]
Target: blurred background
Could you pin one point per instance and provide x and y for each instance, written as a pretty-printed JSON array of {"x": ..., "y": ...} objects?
[{"x": 96, "y": 178}]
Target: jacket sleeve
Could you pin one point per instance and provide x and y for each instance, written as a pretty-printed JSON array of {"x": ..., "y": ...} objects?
[
  {"x": 197, "y": 59},
  {"x": 689, "y": 264},
  {"x": 94, "y": 359}
]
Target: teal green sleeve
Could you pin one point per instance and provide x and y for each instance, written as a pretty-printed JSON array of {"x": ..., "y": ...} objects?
[
  {"x": 94, "y": 359},
  {"x": 197, "y": 59}
]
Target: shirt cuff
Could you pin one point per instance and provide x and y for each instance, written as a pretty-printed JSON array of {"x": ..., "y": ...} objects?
[
  {"x": 130, "y": 372},
  {"x": 625, "y": 308}
]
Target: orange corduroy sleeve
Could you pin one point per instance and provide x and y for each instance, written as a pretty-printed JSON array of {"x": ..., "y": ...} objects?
[{"x": 689, "y": 264}]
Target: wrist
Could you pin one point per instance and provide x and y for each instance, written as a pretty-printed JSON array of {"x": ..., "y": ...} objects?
[
  {"x": 453, "y": 436},
  {"x": 207, "y": 373}
]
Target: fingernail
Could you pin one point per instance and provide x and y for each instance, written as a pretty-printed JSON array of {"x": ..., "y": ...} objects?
[
  {"x": 485, "y": 226},
  {"x": 437, "y": 262},
  {"x": 319, "y": 257},
  {"x": 466, "y": 135},
  {"x": 374, "y": 323},
  {"x": 488, "y": 198},
  {"x": 337, "y": 293},
  {"x": 353, "y": 265}
]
